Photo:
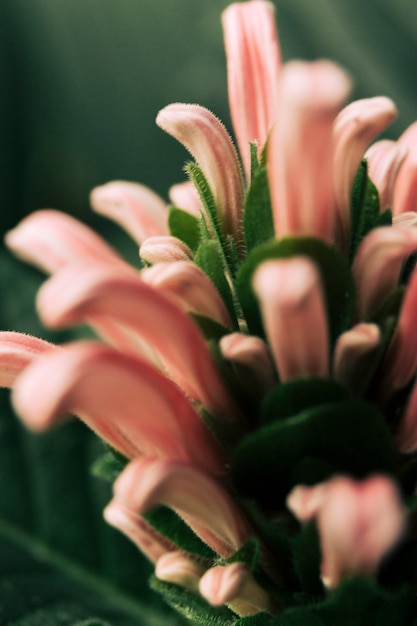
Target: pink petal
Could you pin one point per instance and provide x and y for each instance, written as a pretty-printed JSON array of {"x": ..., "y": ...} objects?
[
  {"x": 292, "y": 305},
  {"x": 253, "y": 354},
  {"x": 179, "y": 569},
  {"x": 405, "y": 189},
  {"x": 164, "y": 249},
  {"x": 209, "y": 143},
  {"x": 153, "y": 545},
  {"x": 253, "y": 72},
  {"x": 17, "y": 351},
  {"x": 355, "y": 127},
  {"x": 185, "y": 196},
  {"x": 406, "y": 436},
  {"x": 351, "y": 348},
  {"x": 49, "y": 240},
  {"x": 94, "y": 293},
  {"x": 188, "y": 286},
  {"x": 220, "y": 585},
  {"x": 125, "y": 400},
  {"x": 378, "y": 263},
  {"x": 197, "y": 498},
  {"x": 235, "y": 586},
  {"x": 136, "y": 208},
  {"x": 400, "y": 362},
  {"x": 301, "y": 148},
  {"x": 385, "y": 158},
  {"x": 359, "y": 522}
]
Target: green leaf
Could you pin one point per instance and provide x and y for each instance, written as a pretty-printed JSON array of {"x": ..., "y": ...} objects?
[
  {"x": 40, "y": 587},
  {"x": 206, "y": 196},
  {"x": 257, "y": 217},
  {"x": 170, "y": 525},
  {"x": 108, "y": 466},
  {"x": 184, "y": 226},
  {"x": 288, "y": 399},
  {"x": 209, "y": 260},
  {"x": 192, "y": 606},
  {"x": 335, "y": 274},
  {"x": 365, "y": 214},
  {"x": 307, "y": 560},
  {"x": 348, "y": 437},
  {"x": 261, "y": 619}
]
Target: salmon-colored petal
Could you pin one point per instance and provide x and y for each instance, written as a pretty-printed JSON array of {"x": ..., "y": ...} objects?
[
  {"x": 378, "y": 263},
  {"x": 187, "y": 285},
  {"x": 94, "y": 293},
  {"x": 294, "y": 315},
  {"x": 129, "y": 403},
  {"x": 179, "y": 569},
  {"x": 301, "y": 148},
  {"x": 385, "y": 158},
  {"x": 197, "y": 498},
  {"x": 358, "y": 521},
  {"x": 136, "y": 208},
  {"x": 350, "y": 349},
  {"x": 164, "y": 249},
  {"x": 354, "y": 129},
  {"x": 153, "y": 545},
  {"x": 253, "y": 72},
  {"x": 253, "y": 353},
  {"x": 50, "y": 240},
  {"x": 209, "y": 143},
  {"x": 405, "y": 188},
  {"x": 18, "y": 350},
  {"x": 185, "y": 196}
]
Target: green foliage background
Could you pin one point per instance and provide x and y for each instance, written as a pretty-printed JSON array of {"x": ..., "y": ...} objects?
[{"x": 82, "y": 81}]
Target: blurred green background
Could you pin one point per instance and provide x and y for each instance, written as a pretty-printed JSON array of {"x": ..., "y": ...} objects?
[{"x": 82, "y": 82}]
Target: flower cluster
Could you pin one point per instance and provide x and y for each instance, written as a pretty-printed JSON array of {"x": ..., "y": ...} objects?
[{"x": 255, "y": 378}]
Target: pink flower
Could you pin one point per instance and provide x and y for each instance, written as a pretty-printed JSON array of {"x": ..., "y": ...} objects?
[
  {"x": 359, "y": 522},
  {"x": 253, "y": 72}
]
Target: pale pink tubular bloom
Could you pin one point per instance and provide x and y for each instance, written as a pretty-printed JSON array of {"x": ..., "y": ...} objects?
[
  {"x": 188, "y": 286},
  {"x": 354, "y": 129},
  {"x": 400, "y": 361},
  {"x": 185, "y": 196},
  {"x": 253, "y": 354},
  {"x": 136, "y": 208},
  {"x": 209, "y": 143},
  {"x": 128, "y": 402},
  {"x": 253, "y": 72},
  {"x": 235, "y": 586},
  {"x": 301, "y": 145},
  {"x": 179, "y": 569},
  {"x": 378, "y": 263},
  {"x": 407, "y": 219},
  {"x": 153, "y": 545},
  {"x": 17, "y": 351},
  {"x": 292, "y": 305},
  {"x": 206, "y": 507},
  {"x": 95, "y": 293},
  {"x": 351, "y": 348},
  {"x": 164, "y": 249},
  {"x": 384, "y": 161},
  {"x": 50, "y": 239},
  {"x": 359, "y": 523},
  {"x": 405, "y": 189},
  {"x": 406, "y": 436}
]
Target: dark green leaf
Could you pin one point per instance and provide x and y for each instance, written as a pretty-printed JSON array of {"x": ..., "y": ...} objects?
[
  {"x": 210, "y": 261},
  {"x": 307, "y": 560},
  {"x": 211, "y": 213},
  {"x": 335, "y": 274},
  {"x": 257, "y": 217},
  {"x": 108, "y": 466},
  {"x": 349, "y": 437},
  {"x": 184, "y": 226},
  {"x": 288, "y": 399},
  {"x": 170, "y": 525},
  {"x": 365, "y": 213},
  {"x": 261, "y": 619},
  {"x": 192, "y": 606}
]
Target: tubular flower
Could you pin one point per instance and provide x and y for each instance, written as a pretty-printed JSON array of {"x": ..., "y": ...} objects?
[{"x": 255, "y": 376}]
